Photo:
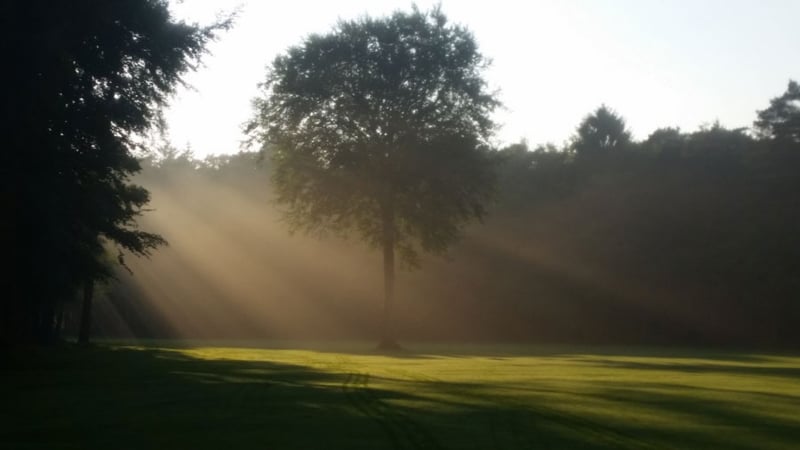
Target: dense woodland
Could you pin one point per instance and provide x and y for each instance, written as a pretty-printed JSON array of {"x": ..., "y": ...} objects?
[{"x": 680, "y": 238}]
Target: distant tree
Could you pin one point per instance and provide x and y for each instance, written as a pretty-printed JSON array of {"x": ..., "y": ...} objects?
[
  {"x": 717, "y": 143},
  {"x": 665, "y": 142},
  {"x": 527, "y": 176},
  {"x": 780, "y": 122},
  {"x": 88, "y": 78},
  {"x": 381, "y": 127},
  {"x": 601, "y": 132}
]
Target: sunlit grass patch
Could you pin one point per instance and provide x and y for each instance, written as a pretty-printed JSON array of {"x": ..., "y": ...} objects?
[{"x": 426, "y": 397}]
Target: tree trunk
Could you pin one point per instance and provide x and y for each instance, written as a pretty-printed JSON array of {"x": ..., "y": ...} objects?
[
  {"x": 59, "y": 324},
  {"x": 388, "y": 341},
  {"x": 45, "y": 323},
  {"x": 86, "y": 312}
]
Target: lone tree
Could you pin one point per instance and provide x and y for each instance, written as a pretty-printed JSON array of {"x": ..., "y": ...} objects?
[{"x": 381, "y": 128}]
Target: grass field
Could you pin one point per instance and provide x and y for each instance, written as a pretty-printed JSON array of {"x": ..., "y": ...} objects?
[{"x": 129, "y": 397}]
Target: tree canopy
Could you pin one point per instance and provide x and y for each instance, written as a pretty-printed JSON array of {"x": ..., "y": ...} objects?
[
  {"x": 780, "y": 122},
  {"x": 381, "y": 127},
  {"x": 88, "y": 78},
  {"x": 602, "y": 131}
]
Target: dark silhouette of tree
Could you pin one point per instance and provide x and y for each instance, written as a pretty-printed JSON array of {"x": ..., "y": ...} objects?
[
  {"x": 601, "y": 132},
  {"x": 780, "y": 122},
  {"x": 381, "y": 127},
  {"x": 665, "y": 142},
  {"x": 88, "y": 78}
]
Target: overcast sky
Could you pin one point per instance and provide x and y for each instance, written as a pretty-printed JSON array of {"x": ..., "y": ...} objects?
[{"x": 657, "y": 63}]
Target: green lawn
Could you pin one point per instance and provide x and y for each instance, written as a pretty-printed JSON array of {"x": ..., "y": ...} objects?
[{"x": 500, "y": 397}]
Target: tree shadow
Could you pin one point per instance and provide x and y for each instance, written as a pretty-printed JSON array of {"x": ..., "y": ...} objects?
[
  {"x": 131, "y": 398},
  {"x": 126, "y": 398}
]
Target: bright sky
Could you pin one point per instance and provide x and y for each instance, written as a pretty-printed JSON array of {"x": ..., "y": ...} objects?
[{"x": 658, "y": 63}]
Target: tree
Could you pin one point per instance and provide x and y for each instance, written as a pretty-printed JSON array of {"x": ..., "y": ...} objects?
[
  {"x": 88, "y": 78},
  {"x": 381, "y": 127},
  {"x": 601, "y": 132},
  {"x": 665, "y": 142},
  {"x": 780, "y": 122}
]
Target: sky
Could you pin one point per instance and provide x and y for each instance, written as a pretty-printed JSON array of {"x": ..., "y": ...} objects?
[{"x": 678, "y": 63}]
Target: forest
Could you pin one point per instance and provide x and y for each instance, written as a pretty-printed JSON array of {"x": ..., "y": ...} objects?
[
  {"x": 682, "y": 238},
  {"x": 612, "y": 291}
]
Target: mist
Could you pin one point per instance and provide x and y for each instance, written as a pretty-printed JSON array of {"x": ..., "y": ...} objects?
[{"x": 548, "y": 264}]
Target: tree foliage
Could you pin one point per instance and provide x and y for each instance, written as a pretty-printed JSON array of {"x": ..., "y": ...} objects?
[
  {"x": 380, "y": 116},
  {"x": 780, "y": 122},
  {"x": 88, "y": 78},
  {"x": 381, "y": 126},
  {"x": 602, "y": 131}
]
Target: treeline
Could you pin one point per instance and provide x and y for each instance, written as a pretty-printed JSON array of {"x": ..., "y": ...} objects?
[
  {"x": 682, "y": 238},
  {"x": 679, "y": 238}
]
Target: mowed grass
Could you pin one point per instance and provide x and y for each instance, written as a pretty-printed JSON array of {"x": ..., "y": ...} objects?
[{"x": 429, "y": 397}]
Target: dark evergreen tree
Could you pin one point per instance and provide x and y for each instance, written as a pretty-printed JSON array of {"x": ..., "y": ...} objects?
[
  {"x": 87, "y": 78},
  {"x": 601, "y": 132},
  {"x": 780, "y": 122}
]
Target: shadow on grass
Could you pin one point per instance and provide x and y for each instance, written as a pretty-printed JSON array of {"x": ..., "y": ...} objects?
[
  {"x": 107, "y": 397},
  {"x": 122, "y": 398}
]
